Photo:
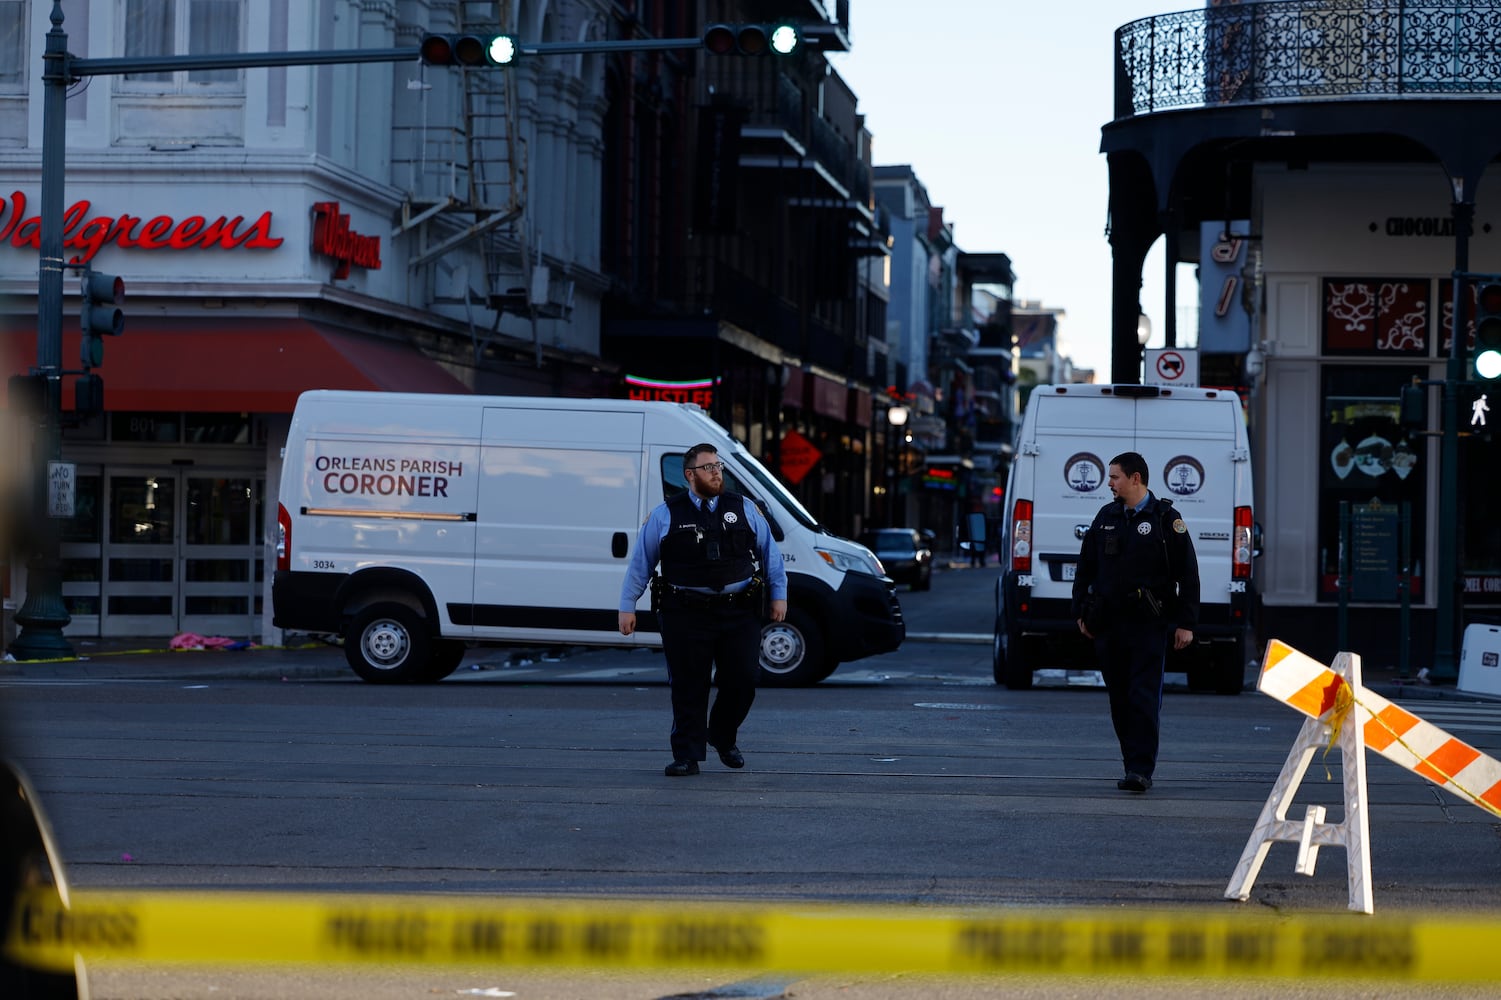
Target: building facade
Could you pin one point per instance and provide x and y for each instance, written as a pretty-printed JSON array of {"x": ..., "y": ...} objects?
[
  {"x": 382, "y": 226},
  {"x": 1359, "y": 178}
]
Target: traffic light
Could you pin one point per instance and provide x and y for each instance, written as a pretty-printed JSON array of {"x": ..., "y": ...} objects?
[
  {"x": 1488, "y": 330},
  {"x": 752, "y": 39},
  {"x": 469, "y": 50},
  {"x": 100, "y": 316},
  {"x": 27, "y": 393},
  {"x": 88, "y": 394},
  {"x": 1413, "y": 407}
]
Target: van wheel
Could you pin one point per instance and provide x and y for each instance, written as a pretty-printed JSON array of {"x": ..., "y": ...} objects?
[
  {"x": 792, "y": 652},
  {"x": 1009, "y": 664},
  {"x": 446, "y": 657},
  {"x": 388, "y": 644}
]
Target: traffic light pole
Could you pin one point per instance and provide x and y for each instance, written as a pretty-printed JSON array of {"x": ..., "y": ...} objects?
[
  {"x": 43, "y": 615},
  {"x": 1445, "y": 667}
]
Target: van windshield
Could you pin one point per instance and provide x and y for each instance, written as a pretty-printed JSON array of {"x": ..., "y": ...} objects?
[
  {"x": 772, "y": 485},
  {"x": 763, "y": 481}
]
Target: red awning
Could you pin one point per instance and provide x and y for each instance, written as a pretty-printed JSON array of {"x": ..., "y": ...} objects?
[{"x": 236, "y": 365}]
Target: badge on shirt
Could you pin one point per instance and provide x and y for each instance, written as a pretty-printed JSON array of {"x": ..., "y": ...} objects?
[
  {"x": 729, "y": 517},
  {"x": 1144, "y": 528},
  {"x": 1179, "y": 526}
]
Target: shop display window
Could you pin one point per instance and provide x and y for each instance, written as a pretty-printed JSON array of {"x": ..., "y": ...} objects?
[
  {"x": 1377, "y": 316},
  {"x": 1366, "y": 457}
]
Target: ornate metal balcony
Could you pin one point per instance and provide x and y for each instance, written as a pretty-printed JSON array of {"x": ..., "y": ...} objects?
[{"x": 1307, "y": 50}]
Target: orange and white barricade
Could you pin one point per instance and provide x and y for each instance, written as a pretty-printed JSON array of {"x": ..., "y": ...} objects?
[{"x": 1344, "y": 714}]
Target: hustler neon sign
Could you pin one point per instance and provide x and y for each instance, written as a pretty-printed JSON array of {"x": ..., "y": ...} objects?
[
  {"x": 160, "y": 232},
  {"x": 700, "y": 391}
]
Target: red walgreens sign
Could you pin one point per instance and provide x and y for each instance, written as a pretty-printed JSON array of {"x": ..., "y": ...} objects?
[
  {"x": 332, "y": 237},
  {"x": 160, "y": 232}
]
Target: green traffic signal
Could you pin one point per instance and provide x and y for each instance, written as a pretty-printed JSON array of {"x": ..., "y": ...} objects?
[
  {"x": 99, "y": 314},
  {"x": 469, "y": 50},
  {"x": 1488, "y": 330},
  {"x": 752, "y": 39}
]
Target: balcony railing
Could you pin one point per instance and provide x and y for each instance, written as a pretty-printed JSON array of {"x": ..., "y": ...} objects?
[{"x": 1306, "y": 50}]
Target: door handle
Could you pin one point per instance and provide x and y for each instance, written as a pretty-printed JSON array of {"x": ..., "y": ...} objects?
[{"x": 619, "y": 545}]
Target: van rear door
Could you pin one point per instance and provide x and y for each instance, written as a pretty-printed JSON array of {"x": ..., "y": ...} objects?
[
  {"x": 1196, "y": 461},
  {"x": 1077, "y": 436},
  {"x": 559, "y": 508}
]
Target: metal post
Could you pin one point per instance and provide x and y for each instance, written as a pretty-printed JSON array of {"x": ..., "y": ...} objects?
[
  {"x": 43, "y": 615},
  {"x": 1404, "y": 580},
  {"x": 1342, "y": 582},
  {"x": 1450, "y": 585}
]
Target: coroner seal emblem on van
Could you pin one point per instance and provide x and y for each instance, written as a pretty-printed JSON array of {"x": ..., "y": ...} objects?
[{"x": 417, "y": 525}]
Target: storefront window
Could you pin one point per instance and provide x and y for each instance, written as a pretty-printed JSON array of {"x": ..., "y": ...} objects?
[
  {"x": 1379, "y": 316},
  {"x": 163, "y": 428},
  {"x": 87, "y": 523},
  {"x": 191, "y": 27},
  {"x": 1365, "y": 458},
  {"x": 13, "y": 61},
  {"x": 218, "y": 428}
]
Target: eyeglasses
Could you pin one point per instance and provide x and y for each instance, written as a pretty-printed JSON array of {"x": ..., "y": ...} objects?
[{"x": 707, "y": 467}]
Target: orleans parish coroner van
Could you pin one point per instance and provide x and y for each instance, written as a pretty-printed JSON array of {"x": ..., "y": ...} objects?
[
  {"x": 415, "y": 525},
  {"x": 1198, "y": 456}
]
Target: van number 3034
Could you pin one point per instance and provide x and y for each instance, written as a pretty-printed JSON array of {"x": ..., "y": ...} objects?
[{"x": 323, "y": 564}]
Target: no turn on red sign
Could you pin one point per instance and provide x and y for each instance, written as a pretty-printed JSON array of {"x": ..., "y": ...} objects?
[{"x": 1172, "y": 366}]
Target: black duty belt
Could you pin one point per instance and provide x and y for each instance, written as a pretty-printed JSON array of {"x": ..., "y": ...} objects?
[{"x": 701, "y": 600}]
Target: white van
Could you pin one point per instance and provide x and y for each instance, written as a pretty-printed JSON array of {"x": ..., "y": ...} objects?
[
  {"x": 1198, "y": 455},
  {"x": 414, "y": 525}
]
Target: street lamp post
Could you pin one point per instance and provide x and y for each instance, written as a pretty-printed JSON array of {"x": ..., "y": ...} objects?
[{"x": 896, "y": 418}]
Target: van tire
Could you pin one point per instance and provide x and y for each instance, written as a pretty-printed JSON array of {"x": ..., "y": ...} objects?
[
  {"x": 792, "y": 652},
  {"x": 388, "y": 643},
  {"x": 1009, "y": 664},
  {"x": 445, "y": 659}
]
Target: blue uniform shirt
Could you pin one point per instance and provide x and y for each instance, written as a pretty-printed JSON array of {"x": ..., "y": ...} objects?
[{"x": 649, "y": 551}]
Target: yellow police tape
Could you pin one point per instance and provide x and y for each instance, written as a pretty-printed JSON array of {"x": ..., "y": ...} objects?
[{"x": 238, "y": 927}]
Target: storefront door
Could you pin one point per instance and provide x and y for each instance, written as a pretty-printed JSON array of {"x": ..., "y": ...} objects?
[{"x": 162, "y": 551}]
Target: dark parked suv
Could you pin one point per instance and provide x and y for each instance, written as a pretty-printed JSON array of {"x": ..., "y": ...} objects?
[{"x": 904, "y": 553}]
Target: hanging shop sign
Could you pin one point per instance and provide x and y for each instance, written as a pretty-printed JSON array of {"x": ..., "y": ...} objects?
[
  {"x": 333, "y": 238},
  {"x": 89, "y": 234},
  {"x": 699, "y": 390}
]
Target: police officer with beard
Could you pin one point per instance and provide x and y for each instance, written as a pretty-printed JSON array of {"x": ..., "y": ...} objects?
[
  {"x": 719, "y": 564},
  {"x": 1136, "y": 588}
]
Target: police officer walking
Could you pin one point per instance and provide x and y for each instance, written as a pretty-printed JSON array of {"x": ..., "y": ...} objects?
[
  {"x": 1136, "y": 588},
  {"x": 719, "y": 564}
]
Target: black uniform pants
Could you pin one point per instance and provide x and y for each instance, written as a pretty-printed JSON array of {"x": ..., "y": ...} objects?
[
  {"x": 718, "y": 645},
  {"x": 1130, "y": 655}
]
